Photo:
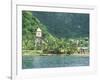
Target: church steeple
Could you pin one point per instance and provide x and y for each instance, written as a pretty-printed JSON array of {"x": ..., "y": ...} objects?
[
  {"x": 38, "y": 40},
  {"x": 39, "y": 32}
]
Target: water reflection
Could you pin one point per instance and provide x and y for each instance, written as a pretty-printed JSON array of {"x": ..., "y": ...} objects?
[{"x": 53, "y": 61}]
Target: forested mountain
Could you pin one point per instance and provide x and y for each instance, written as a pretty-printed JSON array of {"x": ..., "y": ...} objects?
[
  {"x": 30, "y": 24},
  {"x": 56, "y": 28},
  {"x": 67, "y": 25}
]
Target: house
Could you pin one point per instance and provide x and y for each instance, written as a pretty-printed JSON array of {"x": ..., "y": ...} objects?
[{"x": 83, "y": 50}]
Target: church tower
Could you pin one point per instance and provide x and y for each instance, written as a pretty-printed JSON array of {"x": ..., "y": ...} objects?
[{"x": 38, "y": 40}]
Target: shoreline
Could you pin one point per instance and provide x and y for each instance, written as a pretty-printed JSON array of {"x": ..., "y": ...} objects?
[
  {"x": 40, "y": 53},
  {"x": 82, "y": 55}
]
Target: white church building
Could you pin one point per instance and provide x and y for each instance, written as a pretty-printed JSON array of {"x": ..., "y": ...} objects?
[{"x": 38, "y": 40}]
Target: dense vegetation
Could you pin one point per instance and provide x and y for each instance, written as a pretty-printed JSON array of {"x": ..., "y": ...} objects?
[{"x": 62, "y": 32}]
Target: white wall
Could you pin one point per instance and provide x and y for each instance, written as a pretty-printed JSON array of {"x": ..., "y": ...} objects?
[{"x": 5, "y": 36}]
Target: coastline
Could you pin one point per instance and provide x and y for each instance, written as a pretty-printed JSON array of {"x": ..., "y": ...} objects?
[
  {"x": 83, "y": 55},
  {"x": 40, "y": 53}
]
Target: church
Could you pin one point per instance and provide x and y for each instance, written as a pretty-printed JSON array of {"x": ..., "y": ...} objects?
[{"x": 38, "y": 40}]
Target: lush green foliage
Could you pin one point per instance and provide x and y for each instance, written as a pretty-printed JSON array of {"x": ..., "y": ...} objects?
[
  {"x": 60, "y": 35},
  {"x": 29, "y": 26}
]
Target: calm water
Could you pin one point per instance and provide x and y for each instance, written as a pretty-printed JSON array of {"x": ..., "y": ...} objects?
[{"x": 53, "y": 61}]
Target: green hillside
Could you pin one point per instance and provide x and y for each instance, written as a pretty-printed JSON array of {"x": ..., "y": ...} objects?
[
  {"x": 60, "y": 31},
  {"x": 29, "y": 25}
]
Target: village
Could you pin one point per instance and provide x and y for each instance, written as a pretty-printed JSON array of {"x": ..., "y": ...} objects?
[{"x": 55, "y": 46}]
